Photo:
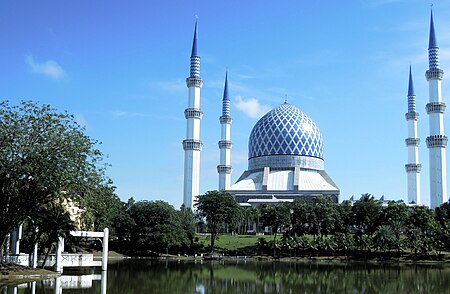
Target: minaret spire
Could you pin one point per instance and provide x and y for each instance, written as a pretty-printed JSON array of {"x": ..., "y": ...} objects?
[
  {"x": 192, "y": 145},
  {"x": 432, "y": 41},
  {"x": 411, "y": 91},
  {"x": 413, "y": 166},
  {"x": 194, "y": 42},
  {"x": 436, "y": 141},
  {"x": 225, "y": 144}
]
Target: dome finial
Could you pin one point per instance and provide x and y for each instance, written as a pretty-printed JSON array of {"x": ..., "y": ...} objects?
[{"x": 285, "y": 99}]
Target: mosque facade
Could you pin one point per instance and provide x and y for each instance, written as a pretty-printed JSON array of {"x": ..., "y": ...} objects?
[{"x": 285, "y": 148}]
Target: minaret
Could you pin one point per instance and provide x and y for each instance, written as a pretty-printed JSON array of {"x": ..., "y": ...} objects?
[
  {"x": 437, "y": 141},
  {"x": 192, "y": 145},
  {"x": 224, "y": 169},
  {"x": 412, "y": 142}
]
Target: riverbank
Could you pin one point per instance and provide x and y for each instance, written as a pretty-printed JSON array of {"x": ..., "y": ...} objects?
[{"x": 11, "y": 274}]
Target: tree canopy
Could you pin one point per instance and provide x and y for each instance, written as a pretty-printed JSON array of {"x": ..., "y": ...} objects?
[
  {"x": 219, "y": 209},
  {"x": 44, "y": 155}
]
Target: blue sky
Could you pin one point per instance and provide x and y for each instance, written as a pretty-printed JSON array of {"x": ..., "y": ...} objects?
[{"x": 120, "y": 68}]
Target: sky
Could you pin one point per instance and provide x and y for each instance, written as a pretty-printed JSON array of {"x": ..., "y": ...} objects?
[{"x": 120, "y": 67}]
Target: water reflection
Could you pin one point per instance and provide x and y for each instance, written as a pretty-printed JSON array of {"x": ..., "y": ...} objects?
[
  {"x": 58, "y": 284},
  {"x": 149, "y": 276}
]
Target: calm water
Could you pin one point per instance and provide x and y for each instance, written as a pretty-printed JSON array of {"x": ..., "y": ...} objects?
[{"x": 145, "y": 276}]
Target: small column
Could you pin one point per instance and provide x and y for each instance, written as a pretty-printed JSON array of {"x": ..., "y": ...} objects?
[
  {"x": 59, "y": 249},
  {"x": 104, "y": 282},
  {"x": 105, "y": 250},
  {"x": 57, "y": 289},
  {"x": 35, "y": 253},
  {"x": 7, "y": 245}
]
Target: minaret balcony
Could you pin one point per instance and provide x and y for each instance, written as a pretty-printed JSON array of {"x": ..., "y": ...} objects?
[
  {"x": 224, "y": 169},
  {"x": 412, "y": 115},
  {"x": 435, "y": 107},
  {"x": 437, "y": 141},
  {"x": 434, "y": 74},
  {"x": 193, "y": 113},
  {"x": 192, "y": 144},
  {"x": 225, "y": 144},
  {"x": 194, "y": 82},
  {"x": 413, "y": 167},
  {"x": 412, "y": 142},
  {"x": 225, "y": 119}
]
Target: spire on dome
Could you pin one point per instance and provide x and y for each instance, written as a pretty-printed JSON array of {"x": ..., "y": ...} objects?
[
  {"x": 432, "y": 43},
  {"x": 410, "y": 85},
  {"x": 194, "y": 42}
]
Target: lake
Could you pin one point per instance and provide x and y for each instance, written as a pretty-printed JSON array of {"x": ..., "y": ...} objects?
[{"x": 241, "y": 276}]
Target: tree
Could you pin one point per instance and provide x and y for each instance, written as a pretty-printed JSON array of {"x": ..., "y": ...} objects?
[
  {"x": 367, "y": 214},
  {"x": 318, "y": 216},
  {"x": 157, "y": 226},
  {"x": 101, "y": 206},
  {"x": 422, "y": 229},
  {"x": 277, "y": 216},
  {"x": 396, "y": 215},
  {"x": 443, "y": 218},
  {"x": 219, "y": 209},
  {"x": 187, "y": 221},
  {"x": 43, "y": 153}
]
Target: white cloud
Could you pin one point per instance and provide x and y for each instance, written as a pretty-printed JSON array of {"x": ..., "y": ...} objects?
[
  {"x": 124, "y": 114},
  {"x": 174, "y": 86},
  {"x": 120, "y": 114},
  {"x": 251, "y": 107},
  {"x": 49, "y": 68}
]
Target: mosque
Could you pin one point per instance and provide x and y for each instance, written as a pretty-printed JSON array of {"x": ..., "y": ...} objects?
[{"x": 285, "y": 148}]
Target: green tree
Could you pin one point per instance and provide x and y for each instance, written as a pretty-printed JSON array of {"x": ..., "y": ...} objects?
[
  {"x": 422, "y": 230},
  {"x": 318, "y": 216},
  {"x": 43, "y": 153},
  {"x": 367, "y": 217},
  {"x": 276, "y": 216},
  {"x": 219, "y": 209},
  {"x": 384, "y": 238},
  {"x": 301, "y": 216},
  {"x": 443, "y": 218},
  {"x": 101, "y": 206},
  {"x": 187, "y": 221},
  {"x": 157, "y": 226},
  {"x": 396, "y": 216}
]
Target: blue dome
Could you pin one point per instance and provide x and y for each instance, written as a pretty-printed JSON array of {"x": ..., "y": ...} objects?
[{"x": 285, "y": 130}]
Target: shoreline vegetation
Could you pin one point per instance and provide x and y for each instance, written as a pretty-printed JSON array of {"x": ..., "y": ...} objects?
[
  {"x": 237, "y": 248},
  {"x": 62, "y": 186}
]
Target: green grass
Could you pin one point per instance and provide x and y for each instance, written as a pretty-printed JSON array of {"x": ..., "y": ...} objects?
[{"x": 233, "y": 242}]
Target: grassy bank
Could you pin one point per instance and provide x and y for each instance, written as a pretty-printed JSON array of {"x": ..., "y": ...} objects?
[{"x": 241, "y": 243}]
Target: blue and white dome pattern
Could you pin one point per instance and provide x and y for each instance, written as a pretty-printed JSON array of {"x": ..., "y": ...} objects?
[{"x": 285, "y": 130}]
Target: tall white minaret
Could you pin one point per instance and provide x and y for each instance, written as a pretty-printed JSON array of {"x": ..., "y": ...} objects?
[
  {"x": 412, "y": 142},
  {"x": 192, "y": 145},
  {"x": 437, "y": 141},
  {"x": 224, "y": 169}
]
